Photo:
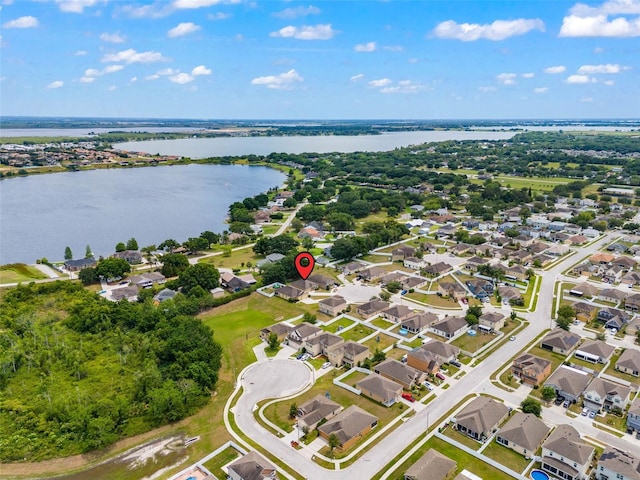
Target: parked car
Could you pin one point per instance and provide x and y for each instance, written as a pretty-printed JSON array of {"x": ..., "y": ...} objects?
[
  {"x": 326, "y": 364},
  {"x": 592, "y": 414},
  {"x": 455, "y": 363},
  {"x": 559, "y": 400},
  {"x": 403, "y": 292},
  {"x": 576, "y": 322},
  {"x": 299, "y": 356},
  {"x": 441, "y": 376},
  {"x": 566, "y": 404},
  {"x": 585, "y": 412},
  {"x": 407, "y": 396},
  {"x": 428, "y": 386},
  {"x": 512, "y": 338}
]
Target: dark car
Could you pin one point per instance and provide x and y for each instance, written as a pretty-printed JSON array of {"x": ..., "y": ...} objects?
[
  {"x": 455, "y": 363},
  {"x": 440, "y": 376},
  {"x": 559, "y": 400}
]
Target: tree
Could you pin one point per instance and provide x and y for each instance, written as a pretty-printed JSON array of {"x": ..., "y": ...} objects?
[
  {"x": 120, "y": 247},
  {"x": 394, "y": 286},
  {"x": 68, "y": 255},
  {"x": 112, "y": 268},
  {"x": 169, "y": 245},
  {"x": 471, "y": 319},
  {"x": 88, "y": 275},
  {"x": 334, "y": 441},
  {"x": 385, "y": 296},
  {"x": 566, "y": 313},
  {"x": 195, "y": 244},
  {"x": 548, "y": 393},
  {"x": 513, "y": 315},
  {"x": 132, "y": 244},
  {"x": 378, "y": 356},
  {"x": 87, "y": 252},
  {"x": 475, "y": 310},
  {"x": 309, "y": 318},
  {"x": 274, "y": 343},
  {"x": 173, "y": 264},
  {"x": 531, "y": 405},
  {"x": 210, "y": 237},
  {"x": 293, "y": 410},
  {"x": 202, "y": 275}
]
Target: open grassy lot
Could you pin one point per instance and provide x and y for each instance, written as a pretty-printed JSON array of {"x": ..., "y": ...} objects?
[
  {"x": 237, "y": 259},
  {"x": 506, "y": 456},
  {"x": 354, "y": 378},
  {"x": 335, "y": 326},
  {"x": 396, "y": 353},
  {"x": 381, "y": 323},
  {"x": 380, "y": 342},
  {"x": 473, "y": 343},
  {"x": 19, "y": 272},
  {"x": 356, "y": 333},
  {"x": 225, "y": 457},
  {"x": 435, "y": 300}
]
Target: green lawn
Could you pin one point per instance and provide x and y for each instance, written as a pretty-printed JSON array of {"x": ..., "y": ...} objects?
[
  {"x": 473, "y": 343},
  {"x": 237, "y": 259},
  {"x": 460, "y": 438},
  {"x": 381, "y": 323},
  {"x": 19, "y": 272},
  {"x": 354, "y": 378},
  {"x": 225, "y": 457},
  {"x": 615, "y": 373},
  {"x": 506, "y": 456},
  {"x": 435, "y": 300},
  {"x": 356, "y": 333},
  {"x": 380, "y": 342},
  {"x": 333, "y": 328}
]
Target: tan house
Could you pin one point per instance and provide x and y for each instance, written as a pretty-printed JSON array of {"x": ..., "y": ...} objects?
[
  {"x": 398, "y": 372},
  {"x": 301, "y": 333},
  {"x": 380, "y": 389},
  {"x": 315, "y": 410},
  {"x": 444, "y": 350},
  {"x": 560, "y": 341},
  {"x": 280, "y": 329},
  {"x": 287, "y": 292},
  {"x": 349, "y": 426},
  {"x": 332, "y": 306},
  {"x": 492, "y": 321},
  {"x": 565, "y": 456},
  {"x": 530, "y": 369},
  {"x": 373, "y": 307},
  {"x": 251, "y": 466},
  {"x": 431, "y": 466},
  {"x": 616, "y": 464},
  {"x": 450, "y": 327},
  {"x": 585, "y": 311},
  {"x": 523, "y": 433},
  {"x": 437, "y": 269},
  {"x": 321, "y": 344},
  {"x": 629, "y": 362},
  {"x": 568, "y": 382},
  {"x": 424, "y": 361},
  {"x": 452, "y": 290},
  {"x": 397, "y": 313},
  {"x": 594, "y": 351},
  {"x": 417, "y": 322},
  {"x": 602, "y": 394},
  {"x": 480, "y": 418},
  {"x": 350, "y": 353},
  {"x": 372, "y": 274}
]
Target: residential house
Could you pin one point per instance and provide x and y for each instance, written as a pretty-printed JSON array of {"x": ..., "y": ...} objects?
[
  {"x": 530, "y": 369},
  {"x": 446, "y": 351},
  {"x": 633, "y": 326},
  {"x": 321, "y": 344},
  {"x": 129, "y": 293},
  {"x": 424, "y": 361},
  {"x": 521, "y": 257},
  {"x": 568, "y": 382},
  {"x": 315, "y": 410},
  {"x": 288, "y": 292},
  {"x": 251, "y": 466},
  {"x": 480, "y": 288},
  {"x": 565, "y": 456},
  {"x": 301, "y": 333},
  {"x": 413, "y": 281},
  {"x": 349, "y": 426},
  {"x": 403, "y": 251},
  {"x": 560, "y": 341},
  {"x": 232, "y": 283},
  {"x": 473, "y": 263},
  {"x": 577, "y": 239},
  {"x": 417, "y": 322},
  {"x": 614, "y": 274},
  {"x": 392, "y": 277},
  {"x": 397, "y": 313},
  {"x": 594, "y": 351},
  {"x": 350, "y": 353},
  {"x": 352, "y": 268},
  {"x": 633, "y": 415},
  {"x": 372, "y": 274},
  {"x": 585, "y": 289},
  {"x": 164, "y": 294},
  {"x": 517, "y": 272},
  {"x": 492, "y": 321},
  {"x": 612, "y": 295},
  {"x": 414, "y": 263},
  {"x": 558, "y": 250},
  {"x": 305, "y": 286},
  {"x": 632, "y": 302},
  {"x": 509, "y": 294},
  {"x": 523, "y": 433},
  {"x": 460, "y": 248},
  {"x": 437, "y": 269},
  {"x": 373, "y": 307},
  {"x": 380, "y": 389},
  {"x": 311, "y": 232},
  {"x": 614, "y": 464},
  {"x": 626, "y": 263},
  {"x": 452, "y": 290},
  {"x": 321, "y": 282},
  {"x": 282, "y": 330},
  {"x": 480, "y": 418},
  {"x": 585, "y": 311},
  {"x": 601, "y": 258},
  {"x": 405, "y": 375},
  {"x": 603, "y": 394},
  {"x": 332, "y": 306},
  {"x": 431, "y": 466},
  {"x": 147, "y": 280},
  {"x": 538, "y": 248},
  {"x": 631, "y": 278},
  {"x": 450, "y": 327},
  {"x": 590, "y": 233},
  {"x": 133, "y": 257},
  {"x": 629, "y": 362},
  {"x": 80, "y": 264},
  {"x": 271, "y": 258}
]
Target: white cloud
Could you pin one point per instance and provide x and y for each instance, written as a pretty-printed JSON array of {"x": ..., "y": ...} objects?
[
  {"x": 132, "y": 56},
  {"x": 357, "y": 77},
  {"x": 365, "y": 47},
  {"x": 22, "y": 22},
  {"x": 306, "y": 32},
  {"x": 75, "y": 6},
  {"x": 112, "y": 88},
  {"x": 181, "y": 78},
  {"x": 498, "y": 30},
  {"x": 167, "y": 71},
  {"x": 598, "y": 50},
  {"x": 555, "y": 70},
  {"x": 183, "y": 28},
  {"x": 594, "y": 21},
  {"x": 56, "y": 84},
  {"x": 487, "y": 89},
  {"x": 80, "y": 53},
  {"x": 393, "y": 48},
  {"x": 113, "y": 68},
  {"x": 158, "y": 9},
  {"x": 586, "y": 100},
  {"x": 283, "y": 81},
  {"x": 291, "y": 13},
  {"x": 133, "y": 79},
  {"x": 93, "y": 72},
  {"x": 608, "y": 68},
  {"x": 528, "y": 75},
  {"x": 200, "y": 70},
  {"x": 155, "y": 76},
  {"x": 219, "y": 16},
  {"x": 580, "y": 79},
  {"x": 609, "y": 83},
  {"x": 86, "y": 79},
  {"x": 507, "y": 78},
  {"x": 541, "y": 90},
  {"x": 197, "y": 3},
  {"x": 382, "y": 82},
  {"x": 112, "y": 37},
  {"x": 404, "y": 86}
]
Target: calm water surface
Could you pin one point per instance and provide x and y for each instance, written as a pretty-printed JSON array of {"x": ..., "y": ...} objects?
[
  {"x": 223, "y": 146},
  {"x": 41, "y": 214}
]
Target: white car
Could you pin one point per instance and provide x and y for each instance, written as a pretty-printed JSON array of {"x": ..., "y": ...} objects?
[
  {"x": 326, "y": 364},
  {"x": 512, "y": 338},
  {"x": 428, "y": 386}
]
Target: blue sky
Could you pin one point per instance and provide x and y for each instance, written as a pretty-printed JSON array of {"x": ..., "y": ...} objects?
[{"x": 342, "y": 59}]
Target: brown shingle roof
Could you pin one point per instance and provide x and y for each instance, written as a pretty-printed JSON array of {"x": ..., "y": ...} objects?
[{"x": 525, "y": 430}]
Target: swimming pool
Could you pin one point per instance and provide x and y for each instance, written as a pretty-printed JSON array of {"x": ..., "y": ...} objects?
[{"x": 539, "y": 475}]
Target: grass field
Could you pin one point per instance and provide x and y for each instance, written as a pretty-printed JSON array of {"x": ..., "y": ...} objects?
[
  {"x": 472, "y": 343},
  {"x": 225, "y": 457},
  {"x": 381, "y": 323},
  {"x": 379, "y": 342},
  {"x": 506, "y": 457},
  {"x": 19, "y": 272},
  {"x": 333, "y": 328},
  {"x": 237, "y": 259},
  {"x": 357, "y": 333}
]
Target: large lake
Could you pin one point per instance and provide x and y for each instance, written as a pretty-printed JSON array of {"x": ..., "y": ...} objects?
[
  {"x": 232, "y": 146},
  {"x": 41, "y": 214}
]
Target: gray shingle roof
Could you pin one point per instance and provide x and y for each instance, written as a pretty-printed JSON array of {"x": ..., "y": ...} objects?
[{"x": 525, "y": 430}]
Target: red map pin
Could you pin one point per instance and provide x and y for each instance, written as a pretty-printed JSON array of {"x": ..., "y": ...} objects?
[{"x": 304, "y": 263}]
